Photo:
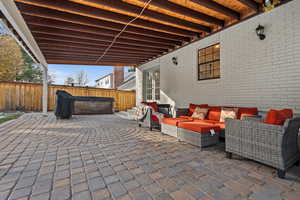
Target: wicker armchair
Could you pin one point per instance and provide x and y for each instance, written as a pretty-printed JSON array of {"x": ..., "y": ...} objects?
[
  {"x": 273, "y": 145},
  {"x": 148, "y": 121}
]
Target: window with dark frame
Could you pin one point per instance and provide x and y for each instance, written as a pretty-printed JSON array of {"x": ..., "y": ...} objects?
[{"x": 209, "y": 62}]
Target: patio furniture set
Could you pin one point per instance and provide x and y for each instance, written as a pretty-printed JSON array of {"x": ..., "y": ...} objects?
[{"x": 271, "y": 139}]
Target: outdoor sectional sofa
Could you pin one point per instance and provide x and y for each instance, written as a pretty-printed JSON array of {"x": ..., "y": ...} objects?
[{"x": 184, "y": 121}]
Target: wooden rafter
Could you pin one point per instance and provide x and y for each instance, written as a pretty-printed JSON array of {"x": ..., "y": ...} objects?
[
  {"x": 82, "y": 20},
  {"x": 74, "y": 62},
  {"x": 218, "y": 8},
  {"x": 52, "y": 37},
  {"x": 95, "y": 13},
  {"x": 37, "y": 21},
  {"x": 49, "y": 42},
  {"x": 74, "y": 48},
  {"x": 120, "y": 5},
  {"x": 251, "y": 4},
  {"x": 167, "y": 5},
  {"x": 88, "y": 36}
]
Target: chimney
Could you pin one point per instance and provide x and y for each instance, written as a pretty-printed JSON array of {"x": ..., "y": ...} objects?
[{"x": 118, "y": 77}]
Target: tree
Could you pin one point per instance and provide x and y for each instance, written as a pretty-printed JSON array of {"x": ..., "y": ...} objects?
[
  {"x": 81, "y": 78},
  {"x": 69, "y": 81},
  {"x": 11, "y": 59}
]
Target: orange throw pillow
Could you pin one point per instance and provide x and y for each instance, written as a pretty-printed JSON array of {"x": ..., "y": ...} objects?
[{"x": 278, "y": 117}]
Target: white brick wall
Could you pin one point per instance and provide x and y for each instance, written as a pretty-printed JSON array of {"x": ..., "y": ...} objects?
[{"x": 262, "y": 73}]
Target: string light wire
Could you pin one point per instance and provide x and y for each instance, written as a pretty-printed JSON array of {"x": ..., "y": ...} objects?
[{"x": 124, "y": 28}]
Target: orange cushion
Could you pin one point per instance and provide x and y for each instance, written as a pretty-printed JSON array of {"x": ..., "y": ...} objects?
[
  {"x": 214, "y": 113},
  {"x": 220, "y": 124},
  {"x": 192, "y": 107},
  {"x": 205, "y": 121},
  {"x": 152, "y": 105},
  {"x": 278, "y": 117},
  {"x": 246, "y": 112},
  {"x": 174, "y": 121},
  {"x": 198, "y": 127}
]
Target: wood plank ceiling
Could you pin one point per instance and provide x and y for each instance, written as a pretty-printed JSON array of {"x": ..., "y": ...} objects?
[{"x": 79, "y": 31}]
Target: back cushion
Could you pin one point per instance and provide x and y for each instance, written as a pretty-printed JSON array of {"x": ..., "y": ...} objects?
[
  {"x": 192, "y": 107},
  {"x": 246, "y": 112},
  {"x": 278, "y": 117},
  {"x": 214, "y": 113}
]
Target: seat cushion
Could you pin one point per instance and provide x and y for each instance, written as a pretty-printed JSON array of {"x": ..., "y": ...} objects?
[
  {"x": 198, "y": 127},
  {"x": 174, "y": 121},
  {"x": 278, "y": 117},
  {"x": 214, "y": 113},
  {"x": 220, "y": 124},
  {"x": 206, "y": 121},
  {"x": 246, "y": 112}
]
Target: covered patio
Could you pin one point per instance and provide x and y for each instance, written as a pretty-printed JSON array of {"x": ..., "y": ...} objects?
[
  {"x": 105, "y": 157},
  {"x": 240, "y": 54}
]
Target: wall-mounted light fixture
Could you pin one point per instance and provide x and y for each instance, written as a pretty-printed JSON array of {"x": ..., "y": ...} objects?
[
  {"x": 260, "y": 32},
  {"x": 175, "y": 60}
]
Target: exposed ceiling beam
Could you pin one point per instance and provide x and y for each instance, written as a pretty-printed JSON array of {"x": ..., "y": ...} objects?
[
  {"x": 37, "y": 21},
  {"x": 98, "y": 52},
  {"x": 76, "y": 19},
  {"x": 59, "y": 52},
  {"x": 72, "y": 62},
  {"x": 116, "y": 48},
  {"x": 78, "y": 48},
  {"x": 42, "y": 36},
  {"x": 218, "y": 8},
  {"x": 88, "y": 36},
  {"x": 250, "y": 4},
  {"x": 123, "y": 6},
  {"x": 95, "y": 13},
  {"x": 167, "y": 5},
  {"x": 93, "y": 59}
]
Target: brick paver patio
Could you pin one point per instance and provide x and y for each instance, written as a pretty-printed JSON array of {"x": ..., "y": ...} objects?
[{"x": 106, "y": 157}]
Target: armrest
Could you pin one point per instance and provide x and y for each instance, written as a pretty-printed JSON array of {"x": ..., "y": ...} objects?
[
  {"x": 164, "y": 108},
  {"x": 181, "y": 112},
  {"x": 254, "y": 131},
  {"x": 256, "y": 118}
]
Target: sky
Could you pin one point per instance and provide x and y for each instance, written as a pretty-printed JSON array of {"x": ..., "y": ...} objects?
[{"x": 61, "y": 72}]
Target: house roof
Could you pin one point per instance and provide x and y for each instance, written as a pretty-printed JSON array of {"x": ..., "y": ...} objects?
[
  {"x": 79, "y": 31},
  {"x": 110, "y": 74}
]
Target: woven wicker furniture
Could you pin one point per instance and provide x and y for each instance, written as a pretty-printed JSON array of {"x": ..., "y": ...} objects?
[
  {"x": 214, "y": 114},
  {"x": 169, "y": 125},
  {"x": 273, "y": 145},
  {"x": 150, "y": 121},
  {"x": 200, "y": 136}
]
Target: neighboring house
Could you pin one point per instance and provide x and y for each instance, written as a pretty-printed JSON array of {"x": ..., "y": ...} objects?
[
  {"x": 112, "y": 80},
  {"x": 105, "y": 81},
  {"x": 129, "y": 82}
]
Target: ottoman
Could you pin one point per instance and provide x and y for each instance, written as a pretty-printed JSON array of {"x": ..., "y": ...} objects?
[
  {"x": 198, "y": 134},
  {"x": 169, "y": 125}
]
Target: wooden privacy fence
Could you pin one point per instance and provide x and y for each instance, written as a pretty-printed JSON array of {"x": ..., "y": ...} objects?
[{"x": 28, "y": 96}]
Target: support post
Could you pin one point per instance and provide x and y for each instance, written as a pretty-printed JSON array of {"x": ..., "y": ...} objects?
[{"x": 45, "y": 90}]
